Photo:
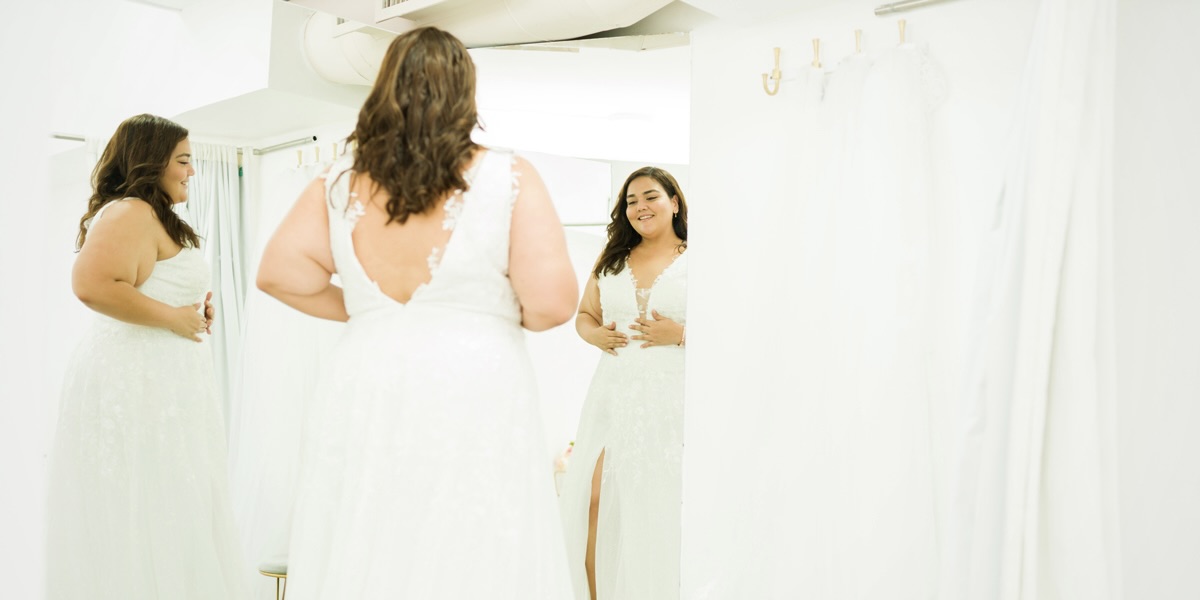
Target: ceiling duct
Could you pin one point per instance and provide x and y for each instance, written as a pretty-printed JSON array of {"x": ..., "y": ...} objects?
[
  {"x": 351, "y": 53},
  {"x": 344, "y": 56}
]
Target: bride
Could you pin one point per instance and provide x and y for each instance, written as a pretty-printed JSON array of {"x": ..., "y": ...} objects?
[
  {"x": 620, "y": 504},
  {"x": 139, "y": 505},
  {"x": 424, "y": 472}
]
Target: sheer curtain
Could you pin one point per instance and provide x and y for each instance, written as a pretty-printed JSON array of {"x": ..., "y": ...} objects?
[
  {"x": 282, "y": 353},
  {"x": 214, "y": 209},
  {"x": 1035, "y": 509}
]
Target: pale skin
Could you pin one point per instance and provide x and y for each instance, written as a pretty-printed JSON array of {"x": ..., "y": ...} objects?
[
  {"x": 120, "y": 252},
  {"x": 650, "y": 210},
  {"x": 297, "y": 263}
]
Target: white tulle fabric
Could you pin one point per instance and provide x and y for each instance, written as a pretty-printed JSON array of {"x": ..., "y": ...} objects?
[
  {"x": 634, "y": 414},
  {"x": 138, "y": 498},
  {"x": 424, "y": 471}
]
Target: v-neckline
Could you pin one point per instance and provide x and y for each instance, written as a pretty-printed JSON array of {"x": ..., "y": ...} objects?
[{"x": 634, "y": 278}]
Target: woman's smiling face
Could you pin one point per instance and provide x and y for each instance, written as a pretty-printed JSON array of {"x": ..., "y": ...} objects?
[
  {"x": 179, "y": 169},
  {"x": 649, "y": 209}
]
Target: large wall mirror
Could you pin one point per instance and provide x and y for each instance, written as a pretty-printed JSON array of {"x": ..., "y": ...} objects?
[{"x": 271, "y": 90}]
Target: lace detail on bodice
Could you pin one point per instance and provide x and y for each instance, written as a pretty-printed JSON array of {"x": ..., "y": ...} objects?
[{"x": 643, "y": 293}]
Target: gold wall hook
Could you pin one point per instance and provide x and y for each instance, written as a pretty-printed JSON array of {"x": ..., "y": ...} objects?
[
  {"x": 775, "y": 76},
  {"x": 816, "y": 53},
  {"x": 300, "y": 158},
  {"x": 858, "y": 41},
  {"x": 902, "y": 25}
]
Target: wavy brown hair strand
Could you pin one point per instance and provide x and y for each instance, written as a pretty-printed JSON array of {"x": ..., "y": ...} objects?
[
  {"x": 414, "y": 130},
  {"x": 622, "y": 237},
  {"x": 132, "y": 166}
]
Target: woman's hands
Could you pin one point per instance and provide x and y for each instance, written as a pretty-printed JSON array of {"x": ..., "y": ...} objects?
[
  {"x": 606, "y": 338},
  {"x": 658, "y": 331},
  {"x": 186, "y": 321},
  {"x": 209, "y": 313}
]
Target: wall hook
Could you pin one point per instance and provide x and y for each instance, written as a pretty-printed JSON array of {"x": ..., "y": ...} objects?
[
  {"x": 902, "y": 23},
  {"x": 775, "y": 76},
  {"x": 816, "y": 53},
  {"x": 858, "y": 41}
]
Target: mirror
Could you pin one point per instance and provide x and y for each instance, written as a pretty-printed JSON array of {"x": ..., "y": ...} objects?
[{"x": 584, "y": 113}]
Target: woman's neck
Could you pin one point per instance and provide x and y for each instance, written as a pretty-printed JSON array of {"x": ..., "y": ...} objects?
[{"x": 668, "y": 241}]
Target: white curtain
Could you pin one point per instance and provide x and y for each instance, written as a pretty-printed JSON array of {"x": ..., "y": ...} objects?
[
  {"x": 1034, "y": 514},
  {"x": 281, "y": 357},
  {"x": 839, "y": 501},
  {"x": 214, "y": 209}
]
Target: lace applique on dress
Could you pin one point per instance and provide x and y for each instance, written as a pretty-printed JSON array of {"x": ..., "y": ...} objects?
[
  {"x": 355, "y": 210},
  {"x": 514, "y": 181},
  {"x": 453, "y": 208},
  {"x": 643, "y": 294}
]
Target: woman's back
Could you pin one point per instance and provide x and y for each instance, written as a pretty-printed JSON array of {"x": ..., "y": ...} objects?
[
  {"x": 455, "y": 255},
  {"x": 424, "y": 454}
]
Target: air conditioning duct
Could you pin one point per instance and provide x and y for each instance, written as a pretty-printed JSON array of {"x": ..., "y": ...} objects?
[
  {"x": 339, "y": 56},
  {"x": 354, "y": 57}
]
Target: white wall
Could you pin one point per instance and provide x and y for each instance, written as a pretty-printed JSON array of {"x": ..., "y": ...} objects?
[
  {"x": 23, "y": 118},
  {"x": 116, "y": 58},
  {"x": 746, "y": 436},
  {"x": 1158, "y": 296},
  {"x": 595, "y": 103}
]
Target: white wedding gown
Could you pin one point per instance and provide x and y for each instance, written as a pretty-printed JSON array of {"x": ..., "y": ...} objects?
[
  {"x": 634, "y": 414},
  {"x": 424, "y": 472},
  {"x": 138, "y": 505}
]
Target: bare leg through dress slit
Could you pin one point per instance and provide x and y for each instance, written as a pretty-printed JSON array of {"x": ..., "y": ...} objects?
[{"x": 589, "y": 559}]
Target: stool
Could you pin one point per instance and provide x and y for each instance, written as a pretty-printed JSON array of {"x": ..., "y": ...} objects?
[{"x": 278, "y": 570}]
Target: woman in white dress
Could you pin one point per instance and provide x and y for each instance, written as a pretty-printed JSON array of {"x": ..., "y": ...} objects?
[
  {"x": 424, "y": 472},
  {"x": 138, "y": 500},
  {"x": 621, "y": 500}
]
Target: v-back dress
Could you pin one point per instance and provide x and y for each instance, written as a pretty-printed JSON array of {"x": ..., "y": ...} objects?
[{"x": 425, "y": 472}]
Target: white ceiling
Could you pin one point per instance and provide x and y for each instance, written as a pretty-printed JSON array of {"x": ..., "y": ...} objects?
[{"x": 606, "y": 89}]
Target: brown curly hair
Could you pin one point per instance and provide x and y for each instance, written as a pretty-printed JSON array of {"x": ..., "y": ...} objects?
[
  {"x": 131, "y": 167},
  {"x": 622, "y": 237},
  {"x": 414, "y": 130}
]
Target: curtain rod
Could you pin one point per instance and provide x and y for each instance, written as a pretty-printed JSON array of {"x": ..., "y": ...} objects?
[
  {"x": 902, "y": 6},
  {"x": 295, "y": 142},
  {"x": 257, "y": 151}
]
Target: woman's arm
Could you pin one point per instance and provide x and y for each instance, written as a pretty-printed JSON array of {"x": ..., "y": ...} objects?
[
  {"x": 538, "y": 264},
  {"x": 589, "y": 323},
  {"x": 119, "y": 247},
  {"x": 297, "y": 263}
]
